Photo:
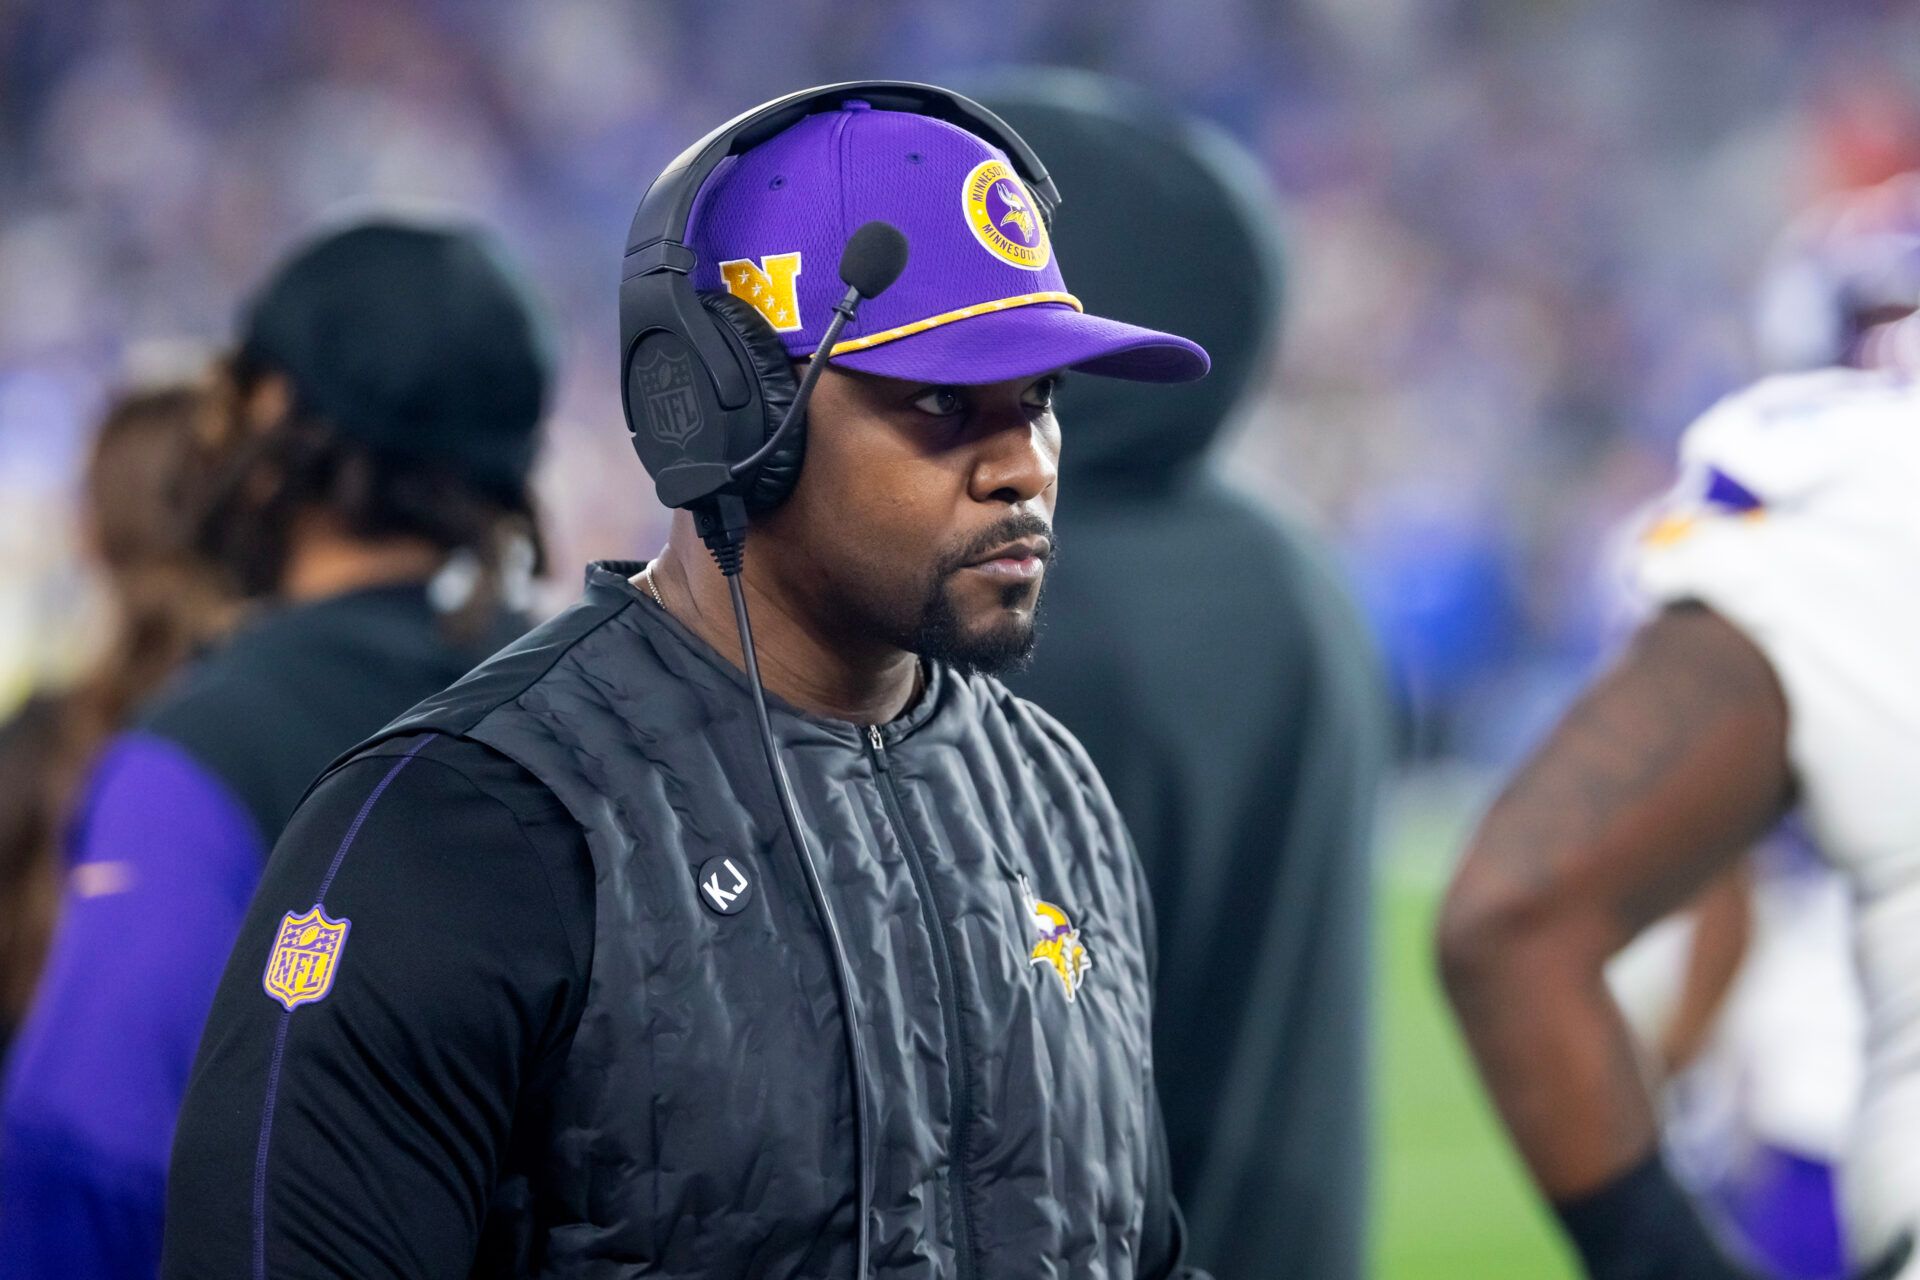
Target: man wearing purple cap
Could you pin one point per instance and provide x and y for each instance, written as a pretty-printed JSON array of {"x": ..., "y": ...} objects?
[{"x": 674, "y": 1059}]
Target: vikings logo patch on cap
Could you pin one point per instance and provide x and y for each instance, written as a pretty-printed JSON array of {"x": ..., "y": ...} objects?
[
  {"x": 305, "y": 955},
  {"x": 1059, "y": 946},
  {"x": 1004, "y": 218}
]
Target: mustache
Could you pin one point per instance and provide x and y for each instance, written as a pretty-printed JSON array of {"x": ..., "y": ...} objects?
[{"x": 1012, "y": 529}]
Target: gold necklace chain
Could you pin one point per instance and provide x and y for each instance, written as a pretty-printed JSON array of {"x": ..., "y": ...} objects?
[{"x": 653, "y": 590}]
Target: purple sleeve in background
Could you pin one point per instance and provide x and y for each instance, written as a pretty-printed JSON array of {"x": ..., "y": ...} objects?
[{"x": 162, "y": 861}]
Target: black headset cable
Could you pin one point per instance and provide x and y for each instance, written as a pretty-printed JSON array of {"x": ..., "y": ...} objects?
[
  {"x": 843, "y": 971},
  {"x": 875, "y": 255}
]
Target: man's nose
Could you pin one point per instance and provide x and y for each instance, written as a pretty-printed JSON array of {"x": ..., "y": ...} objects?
[{"x": 1017, "y": 464}]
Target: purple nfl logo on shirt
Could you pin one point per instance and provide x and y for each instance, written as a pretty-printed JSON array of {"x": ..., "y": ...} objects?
[{"x": 305, "y": 955}]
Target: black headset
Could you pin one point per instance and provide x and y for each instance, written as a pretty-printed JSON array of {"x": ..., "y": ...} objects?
[
  {"x": 718, "y": 419},
  {"x": 705, "y": 381}
]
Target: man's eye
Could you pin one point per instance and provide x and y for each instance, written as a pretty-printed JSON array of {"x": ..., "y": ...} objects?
[
  {"x": 1040, "y": 394},
  {"x": 941, "y": 402}
]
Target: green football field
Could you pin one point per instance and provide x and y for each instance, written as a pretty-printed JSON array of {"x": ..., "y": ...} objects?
[{"x": 1451, "y": 1202}]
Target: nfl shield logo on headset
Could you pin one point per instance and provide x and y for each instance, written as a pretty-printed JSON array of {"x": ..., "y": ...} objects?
[{"x": 666, "y": 392}]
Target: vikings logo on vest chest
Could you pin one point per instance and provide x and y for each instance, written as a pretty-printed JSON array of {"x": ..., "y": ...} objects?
[{"x": 1057, "y": 946}]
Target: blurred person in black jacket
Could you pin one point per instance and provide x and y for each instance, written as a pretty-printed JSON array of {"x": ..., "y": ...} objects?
[
  {"x": 1203, "y": 648},
  {"x": 367, "y": 486},
  {"x": 165, "y": 603}
]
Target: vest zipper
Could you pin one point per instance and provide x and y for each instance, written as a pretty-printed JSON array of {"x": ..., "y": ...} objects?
[{"x": 958, "y": 1084}]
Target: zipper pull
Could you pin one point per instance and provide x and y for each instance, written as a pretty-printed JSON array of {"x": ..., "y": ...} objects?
[{"x": 878, "y": 750}]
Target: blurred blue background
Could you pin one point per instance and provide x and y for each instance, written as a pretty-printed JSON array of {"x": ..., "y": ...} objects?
[{"x": 1523, "y": 236}]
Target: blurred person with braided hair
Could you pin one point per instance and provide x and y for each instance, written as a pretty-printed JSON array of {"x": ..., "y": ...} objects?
[
  {"x": 372, "y": 441},
  {"x": 166, "y": 603}
]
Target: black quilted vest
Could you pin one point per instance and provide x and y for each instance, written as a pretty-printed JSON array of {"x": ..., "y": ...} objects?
[{"x": 704, "y": 1127}]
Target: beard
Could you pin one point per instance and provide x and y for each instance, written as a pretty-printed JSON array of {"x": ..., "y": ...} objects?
[{"x": 1005, "y": 644}]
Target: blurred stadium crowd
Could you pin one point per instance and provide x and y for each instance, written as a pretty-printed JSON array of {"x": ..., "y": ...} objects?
[{"x": 1523, "y": 238}]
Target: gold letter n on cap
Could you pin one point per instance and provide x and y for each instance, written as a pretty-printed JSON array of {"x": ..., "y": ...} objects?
[{"x": 768, "y": 285}]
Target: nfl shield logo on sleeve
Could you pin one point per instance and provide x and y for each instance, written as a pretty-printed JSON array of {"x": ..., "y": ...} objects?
[{"x": 305, "y": 955}]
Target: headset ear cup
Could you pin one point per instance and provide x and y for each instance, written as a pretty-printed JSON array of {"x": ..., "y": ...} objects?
[{"x": 768, "y": 363}]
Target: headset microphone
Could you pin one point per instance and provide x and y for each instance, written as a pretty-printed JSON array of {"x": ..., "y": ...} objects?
[{"x": 875, "y": 256}]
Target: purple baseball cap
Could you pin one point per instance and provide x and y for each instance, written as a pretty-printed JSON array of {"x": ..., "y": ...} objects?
[{"x": 981, "y": 299}]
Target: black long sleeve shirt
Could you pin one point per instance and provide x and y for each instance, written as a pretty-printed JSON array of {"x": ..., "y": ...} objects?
[{"x": 409, "y": 1097}]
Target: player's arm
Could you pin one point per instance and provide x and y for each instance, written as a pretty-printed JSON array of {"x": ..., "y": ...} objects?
[
  {"x": 365, "y": 1130},
  {"x": 1661, "y": 776}
]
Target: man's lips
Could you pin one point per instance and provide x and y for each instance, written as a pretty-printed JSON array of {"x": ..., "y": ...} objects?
[{"x": 1021, "y": 561}]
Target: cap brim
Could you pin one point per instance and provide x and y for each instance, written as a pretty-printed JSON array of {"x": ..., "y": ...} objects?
[{"x": 1022, "y": 342}]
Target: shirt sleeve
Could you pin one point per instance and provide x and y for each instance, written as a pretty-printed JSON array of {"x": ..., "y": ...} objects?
[
  {"x": 1163, "y": 1232},
  {"x": 1163, "y": 1242},
  {"x": 1816, "y": 592},
  {"x": 403, "y": 992},
  {"x": 161, "y": 863}
]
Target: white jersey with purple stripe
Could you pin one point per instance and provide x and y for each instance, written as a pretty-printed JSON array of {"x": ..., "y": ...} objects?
[{"x": 1797, "y": 518}]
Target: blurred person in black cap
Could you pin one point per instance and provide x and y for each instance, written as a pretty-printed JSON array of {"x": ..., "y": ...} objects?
[
  {"x": 165, "y": 603},
  {"x": 370, "y": 452},
  {"x": 1203, "y": 647}
]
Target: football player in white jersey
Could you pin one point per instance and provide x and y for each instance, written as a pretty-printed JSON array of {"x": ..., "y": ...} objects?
[{"x": 1780, "y": 670}]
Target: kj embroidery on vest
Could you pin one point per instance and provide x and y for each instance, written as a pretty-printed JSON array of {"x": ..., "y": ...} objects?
[
  {"x": 724, "y": 887},
  {"x": 305, "y": 956},
  {"x": 1059, "y": 945}
]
